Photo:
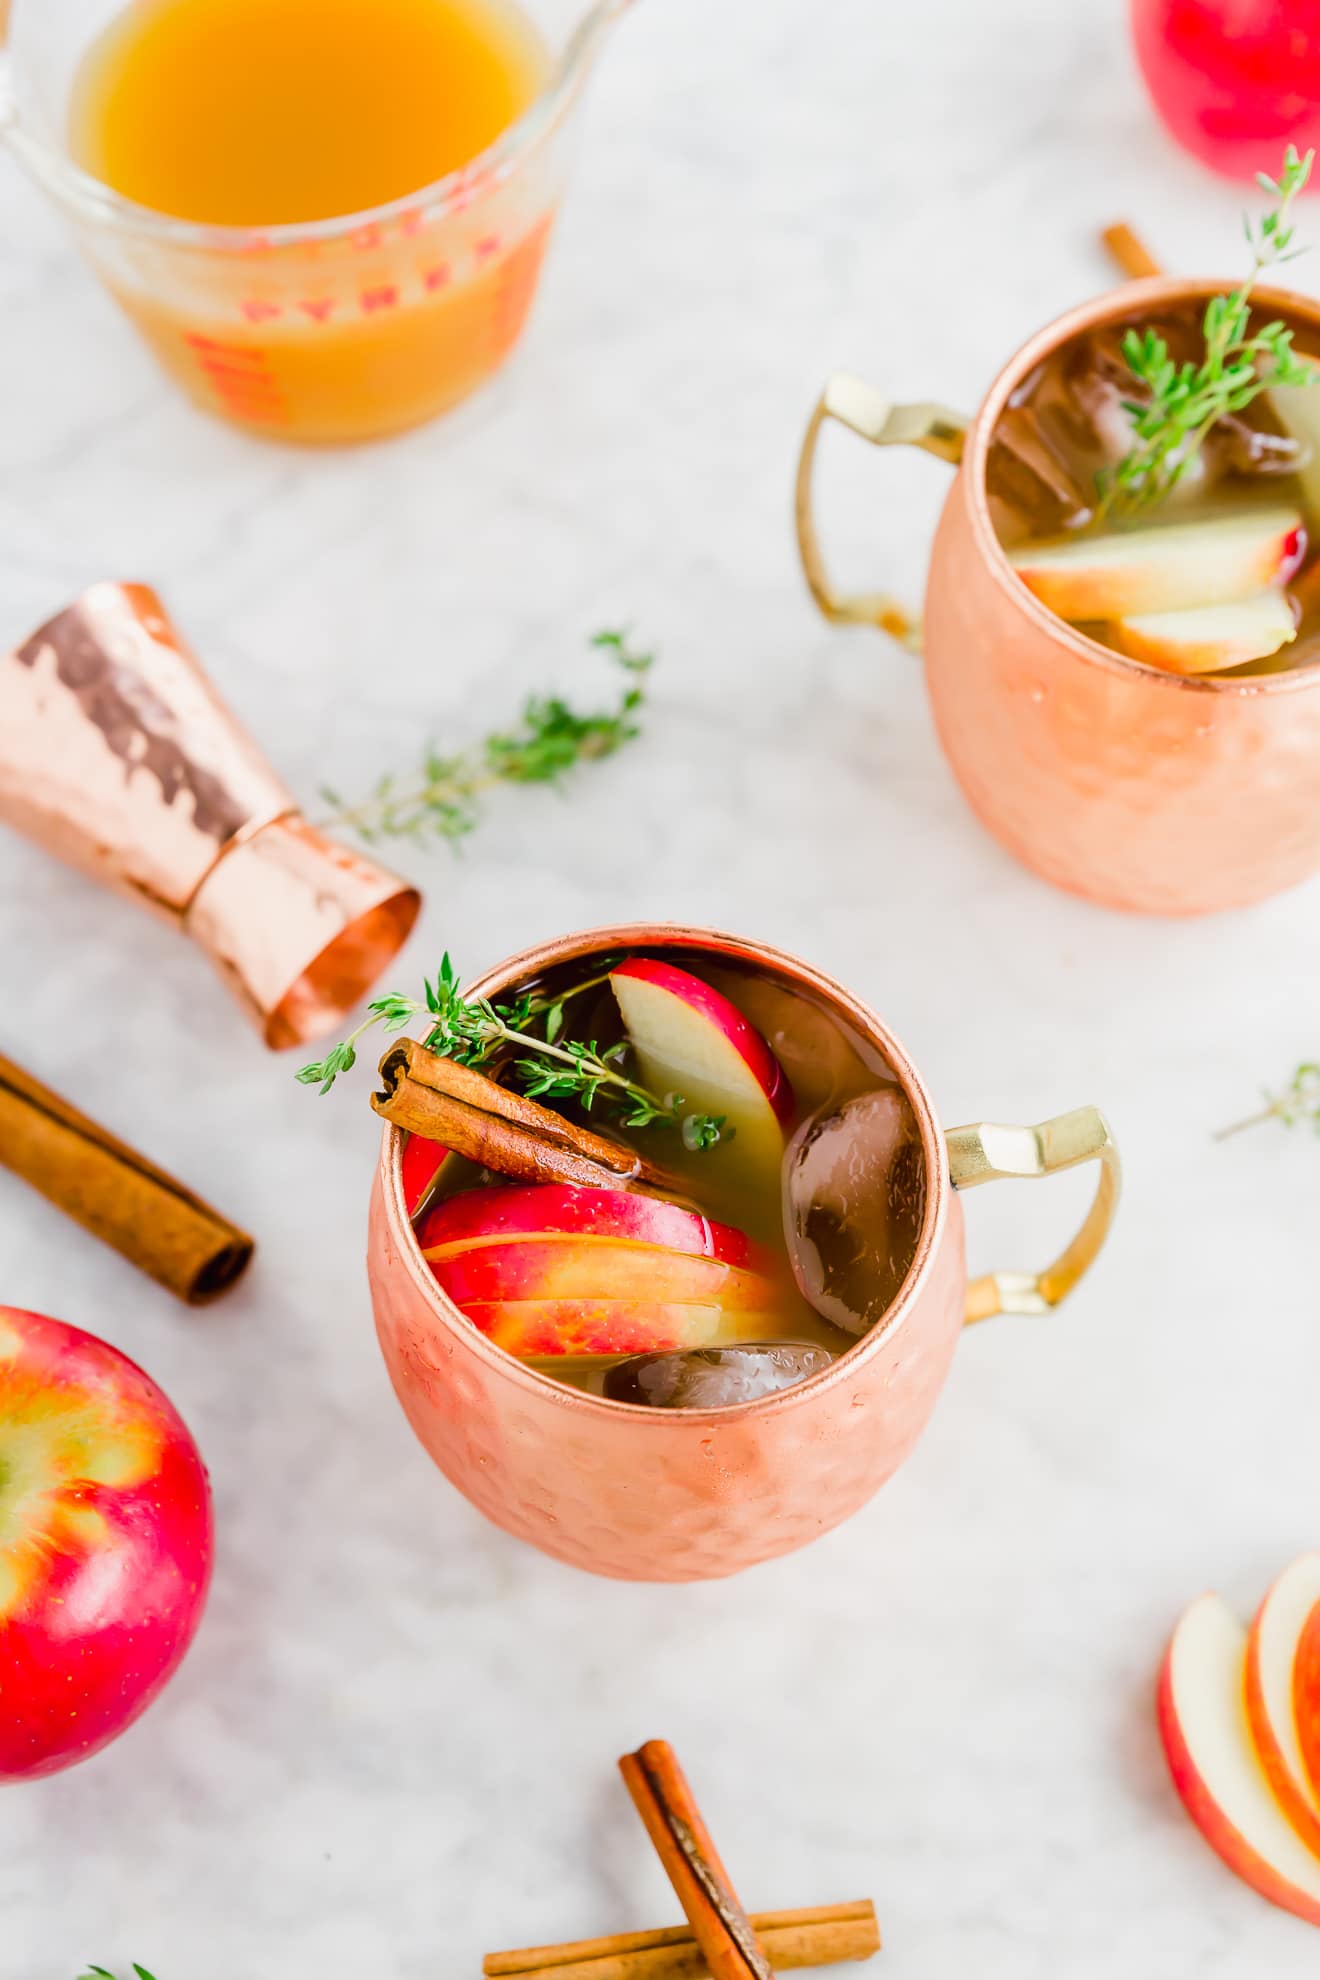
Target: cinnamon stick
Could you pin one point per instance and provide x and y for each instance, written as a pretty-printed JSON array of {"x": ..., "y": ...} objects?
[
  {"x": 683, "y": 1843},
  {"x": 823, "y": 1935},
  {"x": 115, "y": 1193},
  {"x": 1129, "y": 252},
  {"x": 475, "y": 1116}
]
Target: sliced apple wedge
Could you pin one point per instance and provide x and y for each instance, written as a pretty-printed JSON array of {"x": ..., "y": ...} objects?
[
  {"x": 537, "y": 1210},
  {"x": 1306, "y": 1697},
  {"x": 1170, "y": 568},
  {"x": 1271, "y": 1662},
  {"x": 690, "y": 1039},
  {"x": 1207, "y": 1740},
  {"x": 542, "y": 1329},
  {"x": 1208, "y": 639},
  {"x": 420, "y": 1164},
  {"x": 595, "y": 1268}
]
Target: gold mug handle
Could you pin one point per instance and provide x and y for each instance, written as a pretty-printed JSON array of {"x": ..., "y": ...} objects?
[
  {"x": 989, "y": 1152},
  {"x": 862, "y": 409}
]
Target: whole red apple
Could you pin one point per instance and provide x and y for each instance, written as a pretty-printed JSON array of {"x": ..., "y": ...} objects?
[{"x": 105, "y": 1543}]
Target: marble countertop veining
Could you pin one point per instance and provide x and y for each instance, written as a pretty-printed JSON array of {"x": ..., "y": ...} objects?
[{"x": 393, "y": 1744}]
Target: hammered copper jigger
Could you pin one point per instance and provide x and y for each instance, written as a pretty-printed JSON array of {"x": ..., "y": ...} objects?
[{"x": 117, "y": 754}]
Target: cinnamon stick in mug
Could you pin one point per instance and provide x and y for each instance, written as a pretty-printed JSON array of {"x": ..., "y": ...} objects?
[
  {"x": 472, "y": 1114},
  {"x": 115, "y": 1193},
  {"x": 821, "y": 1935}
]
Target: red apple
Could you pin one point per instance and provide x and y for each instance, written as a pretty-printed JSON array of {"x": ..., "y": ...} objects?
[
  {"x": 105, "y": 1543},
  {"x": 595, "y": 1268},
  {"x": 1306, "y": 1696},
  {"x": 1166, "y": 568},
  {"x": 1271, "y": 1666},
  {"x": 1207, "y": 1739},
  {"x": 690, "y": 1039},
  {"x": 420, "y": 1164},
  {"x": 1209, "y": 639},
  {"x": 543, "y": 1329},
  {"x": 497, "y": 1214}
]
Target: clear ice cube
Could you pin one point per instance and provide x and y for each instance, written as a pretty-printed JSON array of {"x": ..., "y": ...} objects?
[
  {"x": 714, "y": 1378},
  {"x": 855, "y": 1198}
]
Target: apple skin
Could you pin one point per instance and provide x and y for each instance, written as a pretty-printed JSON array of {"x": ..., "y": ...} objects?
[
  {"x": 545, "y": 1329},
  {"x": 419, "y": 1166},
  {"x": 724, "y": 1017},
  {"x": 1272, "y": 1702},
  {"x": 1306, "y": 1695},
  {"x": 106, "y": 1543},
  {"x": 1209, "y": 1649},
  {"x": 1210, "y": 639},
  {"x": 502, "y": 1212},
  {"x": 1169, "y": 568},
  {"x": 595, "y": 1268}
]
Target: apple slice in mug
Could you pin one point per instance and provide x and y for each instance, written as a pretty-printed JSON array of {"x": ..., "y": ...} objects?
[
  {"x": 1207, "y": 1740},
  {"x": 420, "y": 1164},
  {"x": 545, "y": 1329},
  {"x": 1271, "y": 1706},
  {"x": 1208, "y": 639},
  {"x": 539, "y": 1210},
  {"x": 1168, "y": 568},
  {"x": 595, "y": 1268},
  {"x": 690, "y": 1039}
]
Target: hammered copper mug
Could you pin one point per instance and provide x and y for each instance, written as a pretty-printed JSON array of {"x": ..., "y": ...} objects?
[
  {"x": 1139, "y": 789},
  {"x": 661, "y": 1495}
]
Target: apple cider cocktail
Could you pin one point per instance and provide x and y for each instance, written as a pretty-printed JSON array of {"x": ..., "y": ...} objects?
[
  {"x": 784, "y": 1205},
  {"x": 1214, "y": 567}
]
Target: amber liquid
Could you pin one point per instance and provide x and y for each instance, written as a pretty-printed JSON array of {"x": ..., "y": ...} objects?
[
  {"x": 827, "y": 1066},
  {"x": 261, "y": 113},
  {"x": 1065, "y": 426}
]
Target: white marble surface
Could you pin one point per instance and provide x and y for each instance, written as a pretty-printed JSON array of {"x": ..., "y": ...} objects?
[{"x": 393, "y": 1745}]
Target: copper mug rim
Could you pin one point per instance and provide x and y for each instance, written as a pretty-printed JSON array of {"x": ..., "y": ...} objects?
[
  {"x": 1150, "y": 290},
  {"x": 716, "y": 942}
]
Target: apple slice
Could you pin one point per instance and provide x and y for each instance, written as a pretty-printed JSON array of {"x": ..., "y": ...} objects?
[
  {"x": 1306, "y": 1697},
  {"x": 1271, "y": 1661},
  {"x": 595, "y": 1268},
  {"x": 419, "y": 1166},
  {"x": 1207, "y": 639},
  {"x": 1207, "y": 1740},
  {"x": 495, "y": 1215},
  {"x": 1166, "y": 569},
  {"x": 543, "y": 1329},
  {"x": 690, "y": 1039}
]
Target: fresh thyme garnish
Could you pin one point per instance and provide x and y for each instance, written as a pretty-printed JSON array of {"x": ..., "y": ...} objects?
[
  {"x": 1184, "y": 400},
  {"x": 104, "y": 1973},
  {"x": 470, "y": 1030},
  {"x": 1299, "y": 1101},
  {"x": 442, "y": 798}
]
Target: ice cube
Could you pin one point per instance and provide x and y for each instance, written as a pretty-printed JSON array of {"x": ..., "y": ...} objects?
[
  {"x": 714, "y": 1378},
  {"x": 1032, "y": 488},
  {"x": 855, "y": 1199}
]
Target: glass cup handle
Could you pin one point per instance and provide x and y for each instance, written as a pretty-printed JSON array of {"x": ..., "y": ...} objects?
[
  {"x": 857, "y": 405},
  {"x": 989, "y": 1152}
]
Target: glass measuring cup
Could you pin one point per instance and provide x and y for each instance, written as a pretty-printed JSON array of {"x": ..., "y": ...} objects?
[{"x": 333, "y": 330}]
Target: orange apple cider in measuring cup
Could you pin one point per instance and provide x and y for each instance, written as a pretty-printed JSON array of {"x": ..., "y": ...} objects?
[{"x": 273, "y": 120}]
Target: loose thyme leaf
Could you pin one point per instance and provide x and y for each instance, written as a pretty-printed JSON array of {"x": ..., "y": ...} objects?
[
  {"x": 470, "y": 1030},
  {"x": 443, "y": 799},
  {"x": 1296, "y": 1103},
  {"x": 1184, "y": 401}
]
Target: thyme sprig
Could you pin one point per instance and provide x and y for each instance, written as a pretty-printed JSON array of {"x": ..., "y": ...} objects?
[
  {"x": 470, "y": 1030},
  {"x": 104, "y": 1973},
  {"x": 1183, "y": 401},
  {"x": 1296, "y": 1103},
  {"x": 442, "y": 798}
]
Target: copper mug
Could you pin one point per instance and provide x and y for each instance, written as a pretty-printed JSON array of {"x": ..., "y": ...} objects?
[
  {"x": 657, "y": 1495},
  {"x": 1142, "y": 790}
]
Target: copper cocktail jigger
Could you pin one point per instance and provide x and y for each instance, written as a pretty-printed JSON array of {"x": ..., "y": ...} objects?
[{"x": 117, "y": 754}]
